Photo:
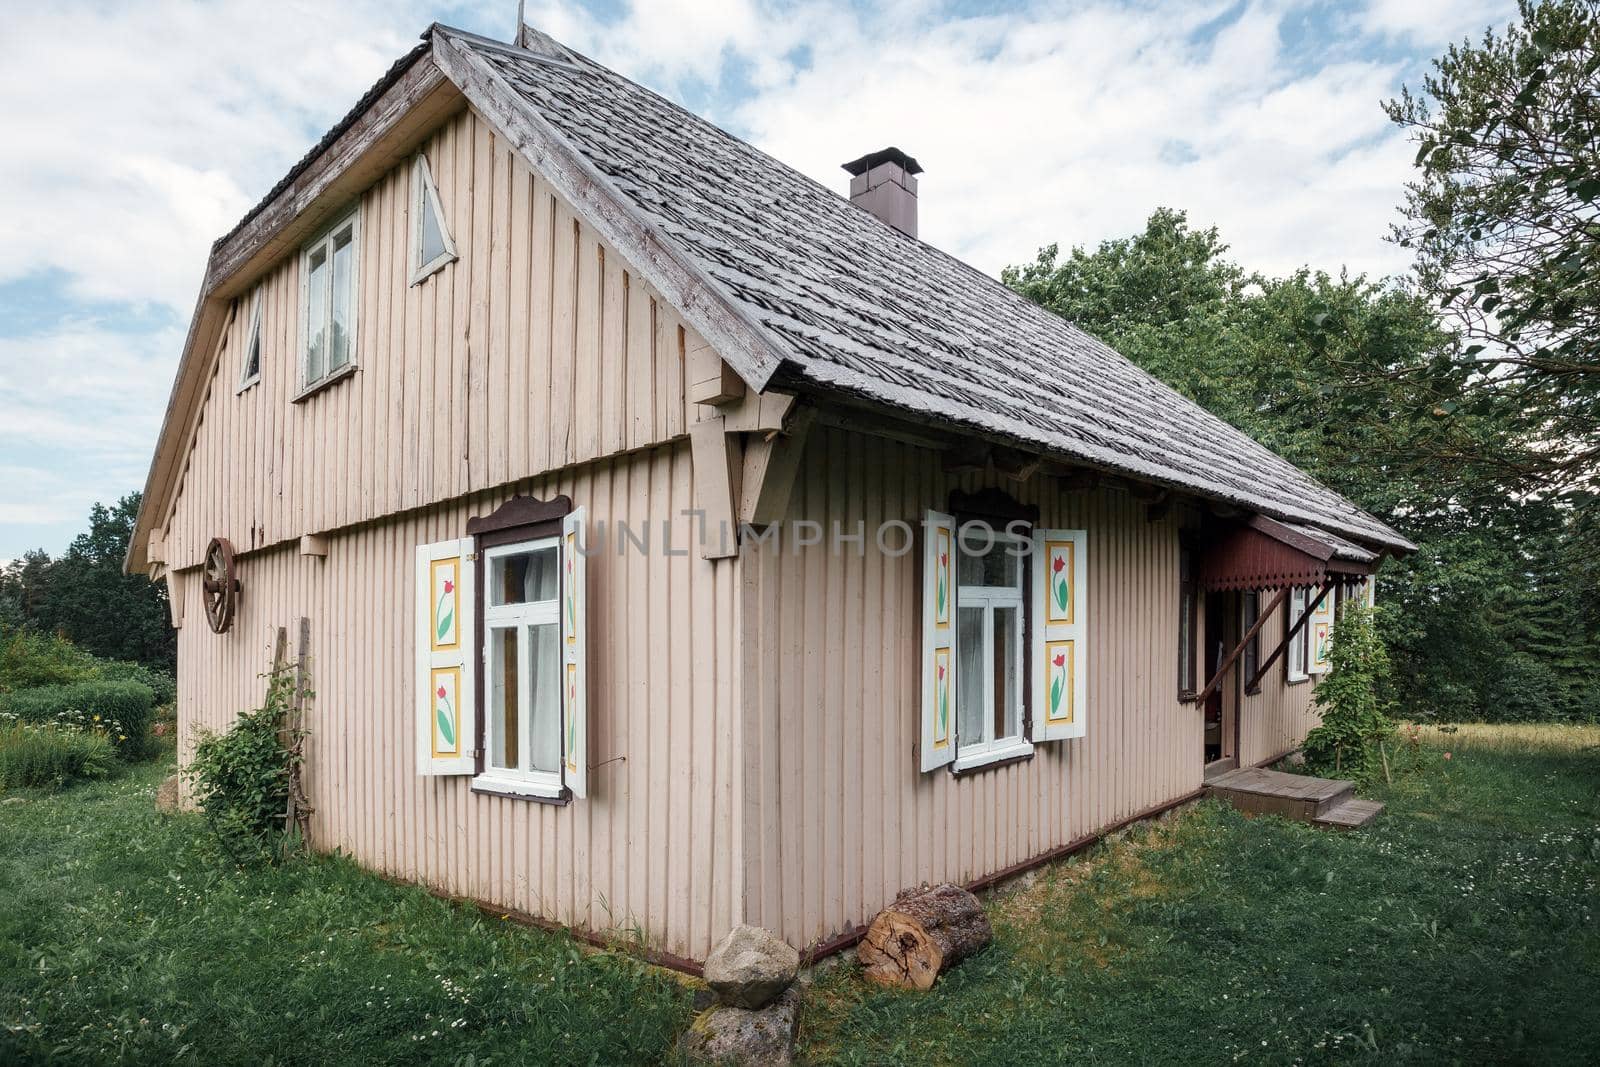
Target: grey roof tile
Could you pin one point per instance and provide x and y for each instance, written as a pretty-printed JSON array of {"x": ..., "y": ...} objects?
[{"x": 859, "y": 307}]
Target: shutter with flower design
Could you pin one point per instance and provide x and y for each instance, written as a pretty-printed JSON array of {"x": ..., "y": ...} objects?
[
  {"x": 1060, "y": 627},
  {"x": 1319, "y": 631},
  {"x": 574, "y": 642},
  {"x": 938, "y": 640},
  {"x": 445, "y": 648}
]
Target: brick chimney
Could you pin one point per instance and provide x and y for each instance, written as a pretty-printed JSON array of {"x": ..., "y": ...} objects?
[{"x": 885, "y": 183}]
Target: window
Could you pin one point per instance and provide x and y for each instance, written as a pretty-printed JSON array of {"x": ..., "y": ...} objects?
[
  {"x": 521, "y": 668},
  {"x": 329, "y": 286},
  {"x": 990, "y": 639},
  {"x": 1295, "y": 654},
  {"x": 1187, "y": 607},
  {"x": 431, "y": 246},
  {"x": 250, "y": 370},
  {"x": 1249, "y": 613}
]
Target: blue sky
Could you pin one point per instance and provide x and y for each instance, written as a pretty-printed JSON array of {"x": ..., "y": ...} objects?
[{"x": 137, "y": 133}]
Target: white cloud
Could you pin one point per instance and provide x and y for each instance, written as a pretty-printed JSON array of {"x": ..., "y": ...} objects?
[{"x": 137, "y": 133}]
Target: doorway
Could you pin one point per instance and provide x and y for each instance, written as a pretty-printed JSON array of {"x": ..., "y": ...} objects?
[{"x": 1222, "y": 707}]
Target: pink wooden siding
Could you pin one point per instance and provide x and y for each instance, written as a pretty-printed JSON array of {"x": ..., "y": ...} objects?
[
  {"x": 466, "y": 380},
  {"x": 653, "y": 846},
  {"x": 841, "y": 818},
  {"x": 1276, "y": 719}
]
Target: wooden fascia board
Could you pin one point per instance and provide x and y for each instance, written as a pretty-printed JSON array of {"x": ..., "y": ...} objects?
[
  {"x": 1317, "y": 550},
  {"x": 736, "y": 336},
  {"x": 420, "y": 99}
]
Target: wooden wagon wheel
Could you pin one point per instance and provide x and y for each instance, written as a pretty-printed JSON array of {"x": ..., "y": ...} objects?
[{"x": 220, "y": 585}]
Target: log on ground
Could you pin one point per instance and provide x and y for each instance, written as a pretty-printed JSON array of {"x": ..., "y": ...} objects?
[{"x": 921, "y": 935}]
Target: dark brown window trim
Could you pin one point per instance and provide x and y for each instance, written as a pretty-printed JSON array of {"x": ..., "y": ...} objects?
[
  {"x": 490, "y": 791},
  {"x": 521, "y": 518},
  {"x": 968, "y": 772},
  {"x": 991, "y": 504}
]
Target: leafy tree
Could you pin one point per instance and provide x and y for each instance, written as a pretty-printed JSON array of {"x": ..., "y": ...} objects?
[
  {"x": 85, "y": 596},
  {"x": 1505, "y": 220},
  {"x": 1491, "y": 618}
]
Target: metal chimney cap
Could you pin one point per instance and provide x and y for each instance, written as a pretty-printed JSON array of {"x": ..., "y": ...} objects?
[{"x": 882, "y": 155}]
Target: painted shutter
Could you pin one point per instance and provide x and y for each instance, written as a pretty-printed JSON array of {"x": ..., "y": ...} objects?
[
  {"x": 445, "y": 654},
  {"x": 938, "y": 640},
  {"x": 574, "y": 655},
  {"x": 1060, "y": 646},
  {"x": 1320, "y": 635}
]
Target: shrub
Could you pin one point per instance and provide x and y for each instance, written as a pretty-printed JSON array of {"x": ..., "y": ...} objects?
[
  {"x": 51, "y": 755},
  {"x": 240, "y": 778},
  {"x": 160, "y": 683},
  {"x": 121, "y": 709},
  {"x": 1355, "y": 720},
  {"x": 29, "y": 660}
]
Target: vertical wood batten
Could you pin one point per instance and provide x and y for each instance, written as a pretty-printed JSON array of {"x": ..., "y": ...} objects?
[
  {"x": 535, "y": 350},
  {"x": 845, "y": 819}
]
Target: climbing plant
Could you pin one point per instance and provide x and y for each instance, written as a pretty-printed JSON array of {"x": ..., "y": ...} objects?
[{"x": 1352, "y": 701}]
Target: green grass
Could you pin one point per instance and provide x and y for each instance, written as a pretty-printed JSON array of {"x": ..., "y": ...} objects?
[
  {"x": 1461, "y": 927},
  {"x": 125, "y": 938}
]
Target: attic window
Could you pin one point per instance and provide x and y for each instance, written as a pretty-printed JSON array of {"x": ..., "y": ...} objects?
[
  {"x": 250, "y": 372},
  {"x": 328, "y": 273},
  {"x": 431, "y": 246}
]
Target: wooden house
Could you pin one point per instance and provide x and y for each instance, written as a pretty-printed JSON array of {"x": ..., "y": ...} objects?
[{"x": 683, "y": 544}]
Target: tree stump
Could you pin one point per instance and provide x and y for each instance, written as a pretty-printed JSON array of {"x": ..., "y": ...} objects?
[{"x": 921, "y": 935}]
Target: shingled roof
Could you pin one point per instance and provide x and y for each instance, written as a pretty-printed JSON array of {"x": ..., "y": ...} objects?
[{"x": 854, "y": 306}]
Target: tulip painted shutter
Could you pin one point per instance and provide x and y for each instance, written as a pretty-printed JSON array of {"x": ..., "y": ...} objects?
[
  {"x": 938, "y": 640},
  {"x": 445, "y": 654},
  {"x": 1060, "y": 648},
  {"x": 1320, "y": 630},
  {"x": 574, "y": 651}
]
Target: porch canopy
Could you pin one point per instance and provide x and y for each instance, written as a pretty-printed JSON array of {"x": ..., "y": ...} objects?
[{"x": 1264, "y": 553}]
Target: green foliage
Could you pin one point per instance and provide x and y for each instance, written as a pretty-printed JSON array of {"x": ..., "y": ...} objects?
[
  {"x": 1350, "y": 700},
  {"x": 1505, "y": 220},
  {"x": 85, "y": 597},
  {"x": 123, "y": 941},
  {"x": 1498, "y": 615},
  {"x": 1458, "y": 928},
  {"x": 51, "y": 755},
  {"x": 122, "y": 709},
  {"x": 160, "y": 682},
  {"x": 29, "y": 660},
  {"x": 241, "y": 778}
]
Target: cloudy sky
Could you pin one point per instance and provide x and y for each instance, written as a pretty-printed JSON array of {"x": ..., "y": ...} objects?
[{"x": 136, "y": 133}]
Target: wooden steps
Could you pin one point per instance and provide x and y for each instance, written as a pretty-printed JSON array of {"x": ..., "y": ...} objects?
[{"x": 1329, "y": 802}]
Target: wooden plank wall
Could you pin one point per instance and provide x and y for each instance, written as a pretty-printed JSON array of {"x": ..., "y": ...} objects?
[
  {"x": 1276, "y": 719},
  {"x": 839, "y": 818},
  {"x": 536, "y": 350},
  {"x": 654, "y": 844}
]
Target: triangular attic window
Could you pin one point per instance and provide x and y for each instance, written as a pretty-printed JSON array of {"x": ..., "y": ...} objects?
[
  {"x": 250, "y": 374},
  {"x": 430, "y": 238}
]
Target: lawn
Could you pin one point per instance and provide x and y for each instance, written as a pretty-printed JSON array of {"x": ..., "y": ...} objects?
[
  {"x": 1460, "y": 928},
  {"x": 125, "y": 938}
]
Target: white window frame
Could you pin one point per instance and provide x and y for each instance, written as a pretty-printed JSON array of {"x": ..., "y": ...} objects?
[
  {"x": 424, "y": 193},
  {"x": 523, "y": 781},
  {"x": 252, "y": 342},
  {"x": 1296, "y": 654},
  {"x": 972, "y": 754},
  {"x": 325, "y": 240}
]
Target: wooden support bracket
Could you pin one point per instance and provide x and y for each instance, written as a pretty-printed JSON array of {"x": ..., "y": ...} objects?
[
  {"x": 717, "y": 467},
  {"x": 1251, "y": 682},
  {"x": 770, "y": 462},
  {"x": 1233, "y": 654}
]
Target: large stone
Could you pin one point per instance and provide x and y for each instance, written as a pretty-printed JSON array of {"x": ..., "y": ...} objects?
[
  {"x": 167, "y": 796},
  {"x": 751, "y": 966},
  {"x": 744, "y": 1036}
]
